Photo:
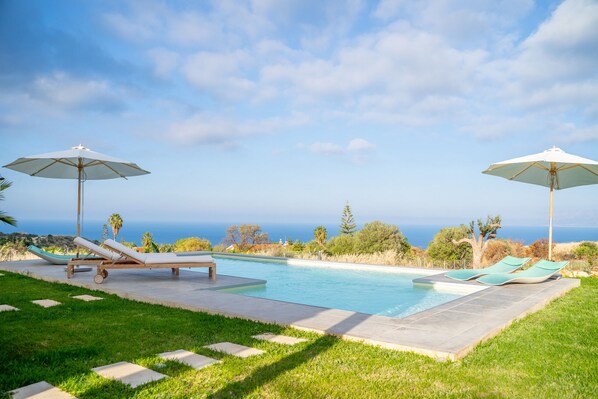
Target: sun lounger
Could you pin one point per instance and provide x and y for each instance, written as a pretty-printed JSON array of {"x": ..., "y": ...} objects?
[
  {"x": 541, "y": 271},
  {"x": 507, "y": 265},
  {"x": 55, "y": 259},
  {"x": 161, "y": 260},
  {"x": 101, "y": 256}
]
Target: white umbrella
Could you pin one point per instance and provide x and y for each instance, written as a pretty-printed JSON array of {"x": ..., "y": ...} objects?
[
  {"x": 77, "y": 163},
  {"x": 552, "y": 168}
]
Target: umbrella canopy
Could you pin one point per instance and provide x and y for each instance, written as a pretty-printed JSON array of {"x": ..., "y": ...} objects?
[
  {"x": 552, "y": 168},
  {"x": 77, "y": 163}
]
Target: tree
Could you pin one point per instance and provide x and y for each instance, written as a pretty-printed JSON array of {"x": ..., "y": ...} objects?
[
  {"x": 479, "y": 243},
  {"x": 320, "y": 234},
  {"x": 147, "y": 242},
  {"x": 4, "y": 218},
  {"x": 442, "y": 246},
  {"x": 191, "y": 244},
  {"x": 245, "y": 235},
  {"x": 116, "y": 222},
  {"x": 104, "y": 232},
  {"x": 380, "y": 237},
  {"x": 342, "y": 245},
  {"x": 347, "y": 222}
]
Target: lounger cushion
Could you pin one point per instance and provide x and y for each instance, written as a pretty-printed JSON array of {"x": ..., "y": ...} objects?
[
  {"x": 131, "y": 253},
  {"x": 159, "y": 259},
  {"x": 96, "y": 249}
]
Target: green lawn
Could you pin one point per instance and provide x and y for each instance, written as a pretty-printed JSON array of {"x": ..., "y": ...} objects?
[{"x": 550, "y": 354}]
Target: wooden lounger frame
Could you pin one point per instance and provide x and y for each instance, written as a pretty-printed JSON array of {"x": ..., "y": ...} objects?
[{"x": 103, "y": 264}]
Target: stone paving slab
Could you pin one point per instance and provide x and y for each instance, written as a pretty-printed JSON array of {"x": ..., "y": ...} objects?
[
  {"x": 234, "y": 349},
  {"x": 189, "y": 358},
  {"x": 7, "y": 308},
  {"x": 279, "y": 339},
  {"x": 46, "y": 303},
  {"x": 88, "y": 298},
  {"x": 39, "y": 390},
  {"x": 131, "y": 374},
  {"x": 448, "y": 331}
]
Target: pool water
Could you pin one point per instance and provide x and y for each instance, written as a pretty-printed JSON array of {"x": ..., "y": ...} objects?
[{"x": 390, "y": 294}]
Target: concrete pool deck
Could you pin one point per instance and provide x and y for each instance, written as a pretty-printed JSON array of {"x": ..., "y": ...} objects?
[{"x": 448, "y": 331}]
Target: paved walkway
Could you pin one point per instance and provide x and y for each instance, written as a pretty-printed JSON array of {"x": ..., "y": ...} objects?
[{"x": 448, "y": 331}]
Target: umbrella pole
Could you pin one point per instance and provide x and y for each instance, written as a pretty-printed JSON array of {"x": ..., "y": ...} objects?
[
  {"x": 80, "y": 168},
  {"x": 550, "y": 224}
]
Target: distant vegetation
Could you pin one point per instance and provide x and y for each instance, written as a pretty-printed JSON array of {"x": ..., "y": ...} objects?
[{"x": 375, "y": 243}]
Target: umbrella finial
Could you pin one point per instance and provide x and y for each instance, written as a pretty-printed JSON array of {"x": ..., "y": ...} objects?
[{"x": 80, "y": 147}]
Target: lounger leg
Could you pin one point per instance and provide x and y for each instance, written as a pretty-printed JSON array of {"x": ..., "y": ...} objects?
[
  {"x": 173, "y": 270},
  {"x": 69, "y": 271},
  {"x": 176, "y": 271},
  {"x": 212, "y": 273}
]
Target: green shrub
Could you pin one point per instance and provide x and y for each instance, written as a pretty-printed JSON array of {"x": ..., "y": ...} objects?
[
  {"x": 442, "y": 248},
  {"x": 588, "y": 251},
  {"x": 342, "y": 245},
  {"x": 192, "y": 244},
  {"x": 380, "y": 237},
  {"x": 298, "y": 246}
]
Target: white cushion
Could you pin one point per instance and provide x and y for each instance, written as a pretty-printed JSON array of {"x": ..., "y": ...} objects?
[
  {"x": 131, "y": 253},
  {"x": 166, "y": 259},
  {"x": 96, "y": 249}
]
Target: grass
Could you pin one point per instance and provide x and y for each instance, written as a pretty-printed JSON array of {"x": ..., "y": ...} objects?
[{"x": 551, "y": 353}]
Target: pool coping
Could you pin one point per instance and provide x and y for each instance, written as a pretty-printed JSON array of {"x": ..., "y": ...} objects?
[{"x": 445, "y": 332}]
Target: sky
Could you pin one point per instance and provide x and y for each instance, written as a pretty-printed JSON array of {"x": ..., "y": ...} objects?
[{"x": 270, "y": 111}]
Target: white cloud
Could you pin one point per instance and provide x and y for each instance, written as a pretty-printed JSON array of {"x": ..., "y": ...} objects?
[
  {"x": 356, "y": 150},
  {"x": 223, "y": 131},
  {"x": 326, "y": 148},
  {"x": 220, "y": 73},
  {"x": 165, "y": 61},
  {"x": 360, "y": 145},
  {"x": 570, "y": 133},
  {"x": 557, "y": 67},
  {"x": 64, "y": 91}
]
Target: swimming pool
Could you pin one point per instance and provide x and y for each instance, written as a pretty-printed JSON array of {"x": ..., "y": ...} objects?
[{"x": 386, "y": 293}]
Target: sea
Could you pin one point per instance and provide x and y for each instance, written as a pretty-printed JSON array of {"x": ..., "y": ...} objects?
[{"x": 169, "y": 232}]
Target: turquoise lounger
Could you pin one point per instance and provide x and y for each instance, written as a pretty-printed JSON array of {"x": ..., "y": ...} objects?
[
  {"x": 53, "y": 258},
  {"x": 507, "y": 265},
  {"x": 539, "y": 272}
]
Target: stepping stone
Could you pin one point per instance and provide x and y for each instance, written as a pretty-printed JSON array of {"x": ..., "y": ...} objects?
[
  {"x": 39, "y": 390},
  {"x": 279, "y": 339},
  {"x": 234, "y": 349},
  {"x": 88, "y": 298},
  {"x": 129, "y": 373},
  {"x": 7, "y": 308},
  {"x": 46, "y": 303},
  {"x": 189, "y": 358}
]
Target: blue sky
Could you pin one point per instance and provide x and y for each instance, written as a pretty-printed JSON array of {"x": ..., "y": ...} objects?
[{"x": 280, "y": 111}]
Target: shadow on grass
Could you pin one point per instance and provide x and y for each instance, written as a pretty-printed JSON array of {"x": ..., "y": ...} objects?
[{"x": 265, "y": 374}]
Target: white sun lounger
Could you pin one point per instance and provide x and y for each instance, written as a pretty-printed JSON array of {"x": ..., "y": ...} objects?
[{"x": 152, "y": 260}]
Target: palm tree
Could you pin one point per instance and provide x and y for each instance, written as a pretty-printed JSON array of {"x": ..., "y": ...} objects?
[
  {"x": 146, "y": 241},
  {"x": 320, "y": 234},
  {"x": 116, "y": 222},
  {"x": 4, "y": 218}
]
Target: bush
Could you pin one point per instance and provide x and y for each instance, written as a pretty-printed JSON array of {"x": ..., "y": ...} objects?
[
  {"x": 497, "y": 250},
  {"x": 298, "y": 246},
  {"x": 312, "y": 247},
  {"x": 539, "y": 249},
  {"x": 442, "y": 248},
  {"x": 342, "y": 245},
  {"x": 165, "y": 248},
  {"x": 192, "y": 244},
  {"x": 380, "y": 237},
  {"x": 587, "y": 251}
]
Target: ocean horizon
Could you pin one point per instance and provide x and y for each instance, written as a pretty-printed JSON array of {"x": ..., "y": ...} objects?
[{"x": 169, "y": 232}]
